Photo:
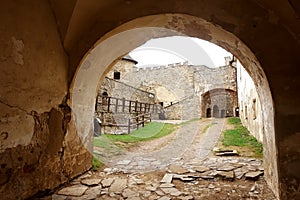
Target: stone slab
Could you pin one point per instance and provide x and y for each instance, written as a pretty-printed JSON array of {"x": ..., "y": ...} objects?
[
  {"x": 91, "y": 182},
  {"x": 226, "y": 175},
  {"x": 75, "y": 190},
  {"x": 201, "y": 169},
  {"x": 118, "y": 185},
  {"x": 253, "y": 175},
  {"x": 171, "y": 191},
  {"x": 226, "y": 168},
  {"x": 167, "y": 178},
  {"x": 178, "y": 169},
  {"x": 107, "y": 182}
]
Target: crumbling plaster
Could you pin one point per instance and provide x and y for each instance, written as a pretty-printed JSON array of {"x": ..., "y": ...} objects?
[{"x": 38, "y": 149}]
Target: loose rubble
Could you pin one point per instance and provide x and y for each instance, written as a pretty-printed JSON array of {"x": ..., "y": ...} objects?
[{"x": 213, "y": 178}]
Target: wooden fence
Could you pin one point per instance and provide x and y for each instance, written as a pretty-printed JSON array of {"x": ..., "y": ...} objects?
[
  {"x": 117, "y": 105},
  {"x": 140, "y": 112}
]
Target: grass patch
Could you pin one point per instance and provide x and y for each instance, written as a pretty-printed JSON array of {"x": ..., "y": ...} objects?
[
  {"x": 234, "y": 121},
  {"x": 151, "y": 131},
  {"x": 96, "y": 164},
  {"x": 240, "y": 136}
]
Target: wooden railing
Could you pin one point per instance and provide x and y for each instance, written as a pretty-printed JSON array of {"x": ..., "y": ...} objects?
[
  {"x": 117, "y": 105},
  {"x": 133, "y": 122},
  {"x": 140, "y": 112}
]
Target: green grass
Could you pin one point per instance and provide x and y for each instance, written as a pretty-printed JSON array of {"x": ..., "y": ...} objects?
[
  {"x": 234, "y": 120},
  {"x": 96, "y": 164},
  {"x": 240, "y": 136},
  {"x": 151, "y": 131}
]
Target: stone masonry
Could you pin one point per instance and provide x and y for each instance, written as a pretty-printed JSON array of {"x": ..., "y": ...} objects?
[{"x": 179, "y": 88}]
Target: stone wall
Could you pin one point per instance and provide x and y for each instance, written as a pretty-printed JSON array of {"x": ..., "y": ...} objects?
[
  {"x": 249, "y": 104},
  {"x": 178, "y": 86},
  {"x": 219, "y": 102},
  {"x": 39, "y": 148},
  {"x": 118, "y": 89}
]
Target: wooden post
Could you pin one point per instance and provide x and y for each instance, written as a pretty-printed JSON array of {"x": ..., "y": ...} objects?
[
  {"x": 143, "y": 118},
  {"x": 123, "y": 105},
  {"x": 136, "y": 102},
  {"x": 129, "y": 106},
  {"x": 137, "y": 121},
  {"x": 108, "y": 104},
  {"x": 116, "y": 108},
  {"x": 129, "y": 124}
]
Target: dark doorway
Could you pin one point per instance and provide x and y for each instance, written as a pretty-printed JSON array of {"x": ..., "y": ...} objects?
[
  {"x": 223, "y": 113},
  {"x": 208, "y": 112},
  {"x": 215, "y": 111},
  {"x": 237, "y": 112}
]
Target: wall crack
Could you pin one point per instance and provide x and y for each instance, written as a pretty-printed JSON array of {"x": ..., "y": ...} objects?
[{"x": 16, "y": 107}]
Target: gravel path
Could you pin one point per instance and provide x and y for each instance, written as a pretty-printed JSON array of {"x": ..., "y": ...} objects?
[{"x": 182, "y": 168}]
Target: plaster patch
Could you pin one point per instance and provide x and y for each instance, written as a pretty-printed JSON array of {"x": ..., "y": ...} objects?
[{"x": 17, "y": 50}]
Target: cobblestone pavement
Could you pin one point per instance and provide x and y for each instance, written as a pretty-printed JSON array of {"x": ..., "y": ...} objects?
[{"x": 182, "y": 169}]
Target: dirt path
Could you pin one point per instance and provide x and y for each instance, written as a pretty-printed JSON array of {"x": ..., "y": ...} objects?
[
  {"x": 192, "y": 141},
  {"x": 178, "y": 166}
]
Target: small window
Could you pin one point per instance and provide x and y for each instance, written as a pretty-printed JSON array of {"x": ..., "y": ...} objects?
[
  {"x": 117, "y": 75},
  {"x": 254, "y": 109}
]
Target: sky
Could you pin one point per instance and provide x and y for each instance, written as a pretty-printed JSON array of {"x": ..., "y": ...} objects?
[{"x": 168, "y": 50}]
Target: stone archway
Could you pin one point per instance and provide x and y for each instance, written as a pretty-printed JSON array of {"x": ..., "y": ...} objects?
[{"x": 136, "y": 32}]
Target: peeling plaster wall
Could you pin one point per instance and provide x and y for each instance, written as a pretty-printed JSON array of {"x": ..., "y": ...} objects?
[{"x": 38, "y": 148}]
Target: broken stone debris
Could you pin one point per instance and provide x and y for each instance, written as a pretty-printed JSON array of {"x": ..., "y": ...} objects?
[
  {"x": 118, "y": 185},
  {"x": 178, "y": 169},
  {"x": 167, "y": 178},
  {"x": 75, "y": 190},
  {"x": 253, "y": 175},
  {"x": 90, "y": 182}
]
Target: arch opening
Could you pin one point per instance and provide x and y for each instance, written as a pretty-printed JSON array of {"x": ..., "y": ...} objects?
[{"x": 138, "y": 31}]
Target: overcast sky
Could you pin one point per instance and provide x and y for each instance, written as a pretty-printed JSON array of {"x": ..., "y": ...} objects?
[{"x": 163, "y": 51}]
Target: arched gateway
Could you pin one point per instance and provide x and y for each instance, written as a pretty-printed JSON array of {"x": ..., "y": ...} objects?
[{"x": 55, "y": 52}]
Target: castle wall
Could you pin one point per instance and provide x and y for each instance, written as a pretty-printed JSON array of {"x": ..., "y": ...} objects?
[
  {"x": 249, "y": 104},
  {"x": 118, "y": 89},
  {"x": 179, "y": 86}
]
